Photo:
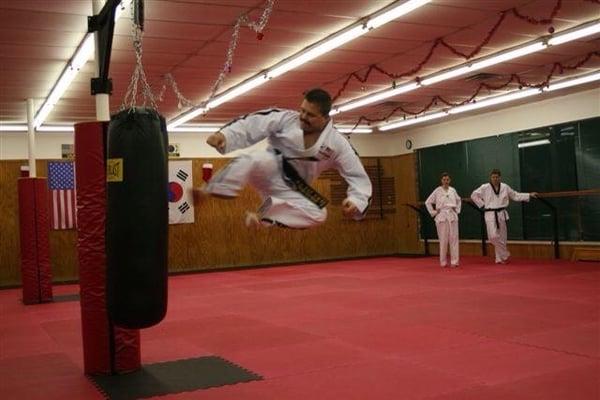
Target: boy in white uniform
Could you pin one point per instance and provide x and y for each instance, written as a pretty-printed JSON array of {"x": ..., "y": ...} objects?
[
  {"x": 301, "y": 145},
  {"x": 447, "y": 207},
  {"x": 493, "y": 198}
]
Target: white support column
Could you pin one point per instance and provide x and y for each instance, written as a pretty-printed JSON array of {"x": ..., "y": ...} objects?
[
  {"x": 31, "y": 138},
  {"x": 102, "y": 99}
]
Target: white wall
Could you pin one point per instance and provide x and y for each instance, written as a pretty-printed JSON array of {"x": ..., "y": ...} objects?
[{"x": 570, "y": 107}]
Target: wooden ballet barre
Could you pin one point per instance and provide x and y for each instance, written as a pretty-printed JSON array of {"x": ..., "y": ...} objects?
[{"x": 573, "y": 193}]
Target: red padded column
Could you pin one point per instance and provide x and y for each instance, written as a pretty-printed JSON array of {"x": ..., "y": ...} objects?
[
  {"x": 105, "y": 349},
  {"x": 35, "y": 249},
  {"x": 42, "y": 222}
]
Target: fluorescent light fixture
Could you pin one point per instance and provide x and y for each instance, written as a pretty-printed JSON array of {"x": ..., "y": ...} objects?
[
  {"x": 519, "y": 51},
  {"x": 319, "y": 49},
  {"x": 13, "y": 128},
  {"x": 352, "y": 129},
  {"x": 338, "y": 39},
  {"x": 196, "y": 128},
  {"x": 374, "y": 98},
  {"x": 412, "y": 121},
  {"x": 452, "y": 73},
  {"x": 493, "y": 100},
  {"x": 80, "y": 58},
  {"x": 509, "y": 55},
  {"x": 394, "y": 13},
  {"x": 185, "y": 117},
  {"x": 381, "y": 18},
  {"x": 533, "y": 143},
  {"x": 56, "y": 128},
  {"x": 573, "y": 82},
  {"x": 574, "y": 34},
  {"x": 237, "y": 91}
]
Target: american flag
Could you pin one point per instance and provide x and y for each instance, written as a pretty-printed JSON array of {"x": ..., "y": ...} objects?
[{"x": 61, "y": 182}]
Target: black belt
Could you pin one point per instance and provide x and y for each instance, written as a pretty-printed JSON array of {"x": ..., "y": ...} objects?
[
  {"x": 295, "y": 181},
  {"x": 495, "y": 211}
]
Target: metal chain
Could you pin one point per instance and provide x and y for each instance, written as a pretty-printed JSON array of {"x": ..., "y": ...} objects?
[
  {"x": 131, "y": 94},
  {"x": 130, "y": 98}
]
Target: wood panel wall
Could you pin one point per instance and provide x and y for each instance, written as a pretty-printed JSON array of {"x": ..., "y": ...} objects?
[{"x": 219, "y": 239}]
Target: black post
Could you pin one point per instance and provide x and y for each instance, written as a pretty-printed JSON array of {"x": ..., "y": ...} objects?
[
  {"x": 104, "y": 24},
  {"x": 482, "y": 227},
  {"x": 554, "y": 212},
  {"x": 422, "y": 215}
]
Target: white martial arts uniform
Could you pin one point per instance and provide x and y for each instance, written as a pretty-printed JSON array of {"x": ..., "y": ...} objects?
[
  {"x": 496, "y": 215},
  {"x": 263, "y": 169},
  {"x": 447, "y": 207}
]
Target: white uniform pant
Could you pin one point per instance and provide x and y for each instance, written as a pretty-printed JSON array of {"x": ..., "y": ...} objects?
[
  {"x": 448, "y": 235},
  {"x": 281, "y": 205},
  {"x": 497, "y": 235}
]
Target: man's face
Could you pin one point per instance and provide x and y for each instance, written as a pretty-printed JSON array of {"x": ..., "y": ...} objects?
[
  {"x": 495, "y": 179},
  {"x": 311, "y": 120}
]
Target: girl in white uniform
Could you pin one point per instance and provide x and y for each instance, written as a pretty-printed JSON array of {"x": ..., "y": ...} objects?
[
  {"x": 447, "y": 207},
  {"x": 301, "y": 145}
]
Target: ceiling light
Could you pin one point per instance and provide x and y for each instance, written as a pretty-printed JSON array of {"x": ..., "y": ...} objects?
[
  {"x": 207, "y": 128},
  {"x": 509, "y": 55},
  {"x": 574, "y": 34},
  {"x": 374, "y": 98},
  {"x": 533, "y": 143},
  {"x": 573, "y": 82},
  {"x": 324, "y": 46},
  {"x": 394, "y": 13},
  {"x": 80, "y": 58},
  {"x": 483, "y": 62},
  {"x": 56, "y": 128},
  {"x": 352, "y": 129},
  {"x": 412, "y": 121},
  {"x": 13, "y": 128},
  {"x": 452, "y": 73},
  {"x": 493, "y": 100}
]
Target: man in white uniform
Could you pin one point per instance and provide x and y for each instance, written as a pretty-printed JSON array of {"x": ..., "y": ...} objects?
[
  {"x": 301, "y": 145},
  {"x": 447, "y": 207},
  {"x": 493, "y": 198}
]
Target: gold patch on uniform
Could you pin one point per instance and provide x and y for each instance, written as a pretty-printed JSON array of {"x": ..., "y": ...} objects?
[{"x": 114, "y": 170}]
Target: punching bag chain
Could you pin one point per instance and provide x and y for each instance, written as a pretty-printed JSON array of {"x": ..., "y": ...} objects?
[{"x": 130, "y": 98}]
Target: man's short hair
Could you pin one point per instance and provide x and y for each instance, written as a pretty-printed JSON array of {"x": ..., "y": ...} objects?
[
  {"x": 321, "y": 98},
  {"x": 496, "y": 171}
]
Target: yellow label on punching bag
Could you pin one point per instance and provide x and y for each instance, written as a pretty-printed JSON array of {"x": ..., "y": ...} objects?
[{"x": 114, "y": 170}]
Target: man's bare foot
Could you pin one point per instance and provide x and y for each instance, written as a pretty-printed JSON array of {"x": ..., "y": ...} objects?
[
  {"x": 252, "y": 220},
  {"x": 199, "y": 195}
]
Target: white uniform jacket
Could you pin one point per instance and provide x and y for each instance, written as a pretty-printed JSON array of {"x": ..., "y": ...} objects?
[
  {"x": 447, "y": 204},
  {"x": 331, "y": 150},
  {"x": 486, "y": 197}
]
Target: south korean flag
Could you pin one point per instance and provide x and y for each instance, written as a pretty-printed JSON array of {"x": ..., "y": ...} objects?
[{"x": 181, "y": 203}]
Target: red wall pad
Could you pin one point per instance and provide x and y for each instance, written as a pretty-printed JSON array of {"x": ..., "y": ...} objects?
[
  {"x": 35, "y": 247},
  {"x": 106, "y": 349}
]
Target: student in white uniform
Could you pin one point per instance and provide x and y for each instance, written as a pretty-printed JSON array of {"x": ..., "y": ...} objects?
[
  {"x": 301, "y": 145},
  {"x": 493, "y": 198},
  {"x": 445, "y": 213}
]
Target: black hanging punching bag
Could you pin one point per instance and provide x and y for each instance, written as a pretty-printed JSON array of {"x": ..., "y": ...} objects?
[{"x": 137, "y": 218}]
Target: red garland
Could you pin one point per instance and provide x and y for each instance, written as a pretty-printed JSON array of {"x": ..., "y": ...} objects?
[
  {"x": 440, "y": 41},
  {"x": 513, "y": 78}
]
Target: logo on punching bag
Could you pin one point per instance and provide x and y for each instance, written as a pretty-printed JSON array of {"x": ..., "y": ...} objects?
[{"x": 114, "y": 170}]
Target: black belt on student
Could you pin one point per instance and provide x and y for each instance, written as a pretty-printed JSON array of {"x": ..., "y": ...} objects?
[
  {"x": 495, "y": 211},
  {"x": 295, "y": 181}
]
